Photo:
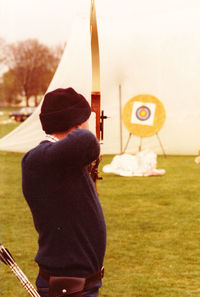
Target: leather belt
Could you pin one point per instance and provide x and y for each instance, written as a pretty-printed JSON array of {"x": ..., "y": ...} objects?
[{"x": 89, "y": 281}]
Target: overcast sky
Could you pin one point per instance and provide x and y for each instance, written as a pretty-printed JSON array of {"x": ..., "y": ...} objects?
[
  {"x": 50, "y": 21},
  {"x": 47, "y": 20}
]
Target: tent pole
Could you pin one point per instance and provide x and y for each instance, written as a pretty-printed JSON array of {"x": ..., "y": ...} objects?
[{"x": 120, "y": 118}]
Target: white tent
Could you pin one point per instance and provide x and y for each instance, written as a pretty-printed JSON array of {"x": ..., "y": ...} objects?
[{"x": 155, "y": 53}]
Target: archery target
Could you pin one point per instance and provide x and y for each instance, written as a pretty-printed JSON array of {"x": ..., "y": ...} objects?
[{"x": 143, "y": 115}]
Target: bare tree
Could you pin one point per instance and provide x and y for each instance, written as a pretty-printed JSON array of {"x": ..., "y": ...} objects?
[
  {"x": 3, "y": 49},
  {"x": 34, "y": 65},
  {"x": 9, "y": 88}
]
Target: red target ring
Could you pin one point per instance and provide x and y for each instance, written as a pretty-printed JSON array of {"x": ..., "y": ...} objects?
[{"x": 143, "y": 113}]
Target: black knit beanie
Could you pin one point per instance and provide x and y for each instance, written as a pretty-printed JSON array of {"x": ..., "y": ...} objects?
[{"x": 63, "y": 109}]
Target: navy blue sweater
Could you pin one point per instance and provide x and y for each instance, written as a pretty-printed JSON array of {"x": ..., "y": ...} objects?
[{"x": 65, "y": 207}]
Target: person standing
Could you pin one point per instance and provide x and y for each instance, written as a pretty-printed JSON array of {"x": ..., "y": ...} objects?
[{"x": 66, "y": 210}]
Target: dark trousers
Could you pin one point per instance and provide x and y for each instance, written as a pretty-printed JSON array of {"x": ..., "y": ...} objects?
[{"x": 43, "y": 288}]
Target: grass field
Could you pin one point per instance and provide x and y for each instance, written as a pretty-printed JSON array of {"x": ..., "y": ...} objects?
[
  {"x": 153, "y": 244},
  {"x": 6, "y": 124}
]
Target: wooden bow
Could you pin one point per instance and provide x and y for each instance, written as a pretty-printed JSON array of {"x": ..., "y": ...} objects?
[{"x": 96, "y": 94}]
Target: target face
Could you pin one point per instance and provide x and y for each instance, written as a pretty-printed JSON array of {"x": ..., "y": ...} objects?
[{"x": 143, "y": 115}]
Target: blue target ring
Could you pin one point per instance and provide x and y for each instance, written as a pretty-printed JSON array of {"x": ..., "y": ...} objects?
[{"x": 143, "y": 113}]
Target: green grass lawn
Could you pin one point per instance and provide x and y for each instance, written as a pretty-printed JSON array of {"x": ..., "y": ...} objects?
[
  {"x": 6, "y": 124},
  {"x": 153, "y": 230}
]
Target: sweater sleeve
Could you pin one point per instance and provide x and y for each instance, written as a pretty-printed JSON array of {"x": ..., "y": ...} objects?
[{"x": 80, "y": 147}]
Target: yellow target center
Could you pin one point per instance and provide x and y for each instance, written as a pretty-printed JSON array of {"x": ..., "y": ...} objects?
[{"x": 143, "y": 113}]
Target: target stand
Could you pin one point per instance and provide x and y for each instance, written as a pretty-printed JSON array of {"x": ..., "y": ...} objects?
[{"x": 143, "y": 116}]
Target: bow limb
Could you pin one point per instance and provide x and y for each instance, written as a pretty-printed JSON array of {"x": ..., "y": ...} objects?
[{"x": 95, "y": 94}]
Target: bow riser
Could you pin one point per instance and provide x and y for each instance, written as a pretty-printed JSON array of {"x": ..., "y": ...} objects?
[{"x": 95, "y": 107}]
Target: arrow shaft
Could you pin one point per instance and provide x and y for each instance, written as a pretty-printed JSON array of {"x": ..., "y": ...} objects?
[{"x": 7, "y": 259}]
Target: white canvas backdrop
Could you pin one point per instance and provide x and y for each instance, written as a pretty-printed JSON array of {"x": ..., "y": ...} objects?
[{"x": 157, "y": 54}]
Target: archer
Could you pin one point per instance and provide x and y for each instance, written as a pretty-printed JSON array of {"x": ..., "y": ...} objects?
[{"x": 62, "y": 198}]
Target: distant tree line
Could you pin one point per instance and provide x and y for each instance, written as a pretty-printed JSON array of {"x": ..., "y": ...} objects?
[{"x": 27, "y": 69}]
